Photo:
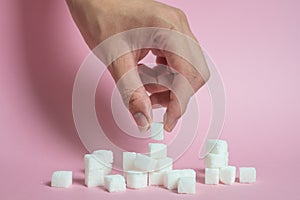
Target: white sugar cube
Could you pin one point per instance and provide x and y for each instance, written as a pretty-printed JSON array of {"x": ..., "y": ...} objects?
[
  {"x": 156, "y": 178},
  {"x": 216, "y": 146},
  {"x": 107, "y": 168},
  {"x": 105, "y": 156},
  {"x": 157, "y": 131},
  {"x": 136, "y": 179},
  {"x": 145, "y": 163},
  {"x": 62, "y": 179},
  {"x": 212, "y": 176},
  {"x": 212, "y": 160},
  {"x": 128, "y": 160},
  {"x": 94, "y": 178},
  {"x": 171, "y": 177},
  {"x": 91, "y": 162},
  {"x": 164, "y": 164},
  {"x": 186, "y": 185},
  {"x": 157, "y": 150},
  {"x": 247, "y": 174},
  {"x": 227, "y": 175},
  {"x": 114, "y": 183}
]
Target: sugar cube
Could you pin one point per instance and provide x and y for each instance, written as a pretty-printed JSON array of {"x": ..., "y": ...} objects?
[
  {"x": 128, "y": 160},
  {"x": 216, "y": 146},
  {"x": 171, "y": 177},
  {"x": 92, "y": 163},
  {"x": 164, "y": 164},
  {"x": 212, "y": 160},
  {"x": 114, "y": 183},
  {"x": 156, "y": 178},
  {"x": 136, "y": 179},
  {"x": 61, "y": 179},
  {"x": 186, "y": 185},
  {"x": 212, "y": 176},
  {"x": 157, "y": 130},
  {"x": 94, "y": 178},
  {"x": 157, "y": 150},
  {"x": 105, "y": 156},
  {"x": 145, "y": 163},
  {"x": 227, "y": 175},
  {"x": 247, "y": 174}
]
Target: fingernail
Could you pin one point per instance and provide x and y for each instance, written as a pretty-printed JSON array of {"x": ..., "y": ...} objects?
[
  {"x": 169, "y": 124},
  {"x": 150, "y": 114},
  {"x": 141, "y": 121}
]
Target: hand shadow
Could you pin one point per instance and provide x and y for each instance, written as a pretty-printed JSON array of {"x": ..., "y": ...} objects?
[{"x": 52, "y": 59}]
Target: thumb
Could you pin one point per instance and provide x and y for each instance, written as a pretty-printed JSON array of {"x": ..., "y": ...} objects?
[
  {"x": 133, "y": 93},
  {"x": 140, "y": 108}
]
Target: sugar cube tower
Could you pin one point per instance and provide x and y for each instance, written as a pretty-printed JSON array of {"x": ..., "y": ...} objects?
[
  {"x": 217, "y": 169},
  {"x": 96, "y": 166},
  {"x": 156, "y": 169}
]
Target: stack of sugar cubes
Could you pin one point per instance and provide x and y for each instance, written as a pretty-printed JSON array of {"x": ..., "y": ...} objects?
[
  {"x": 217, "y": 168},
  {"x": 140, "y": 171},
  {"x": 156, "y": 170},
  {"x": 97, "y": 167}
]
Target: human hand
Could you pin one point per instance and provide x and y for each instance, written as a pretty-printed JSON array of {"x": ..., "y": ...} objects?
[{"x": 98, "y": 20}]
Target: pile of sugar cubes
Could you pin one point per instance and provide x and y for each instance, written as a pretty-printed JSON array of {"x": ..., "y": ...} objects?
[
  {"x": 155, "y": 169},
  {"x": 140, "y": 171},
  {"x": 217, "y": 168}
]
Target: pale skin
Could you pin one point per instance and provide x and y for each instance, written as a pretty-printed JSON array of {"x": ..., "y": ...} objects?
[{"x": 97, "y": 20}]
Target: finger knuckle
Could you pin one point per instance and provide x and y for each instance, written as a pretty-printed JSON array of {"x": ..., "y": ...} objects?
[
  {"x": 176, "y": 15},
  {"x": 173, "y": 17}
]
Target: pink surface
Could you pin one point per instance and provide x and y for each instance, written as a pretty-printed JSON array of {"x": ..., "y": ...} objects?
[{"x": 255, "y": 45}]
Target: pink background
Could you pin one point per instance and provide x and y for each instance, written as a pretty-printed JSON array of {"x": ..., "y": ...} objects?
[{"x": 255, "y": 45}]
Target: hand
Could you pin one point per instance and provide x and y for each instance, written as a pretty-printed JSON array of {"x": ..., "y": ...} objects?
[{"x": 97, "y": 20}]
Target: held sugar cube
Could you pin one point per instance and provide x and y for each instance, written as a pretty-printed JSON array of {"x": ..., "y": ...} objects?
[
  {"x": 136, "y": 179},
  {"x": 212, "y": 160},
  {"x": 157, "y": 150},
  {"x": 227, "y": 175},
  {"x": 186, "y": 185},
  {"x": 212, "y": 176},
  {"x": 157, "y": 131},
  {"x": 114, "y": 183},
  {"x": 216, "y": 146},
  {"x": 61, "y": 179},
  {"x": 145, "y": 163},
  {"x": 247, "y": 174}
]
